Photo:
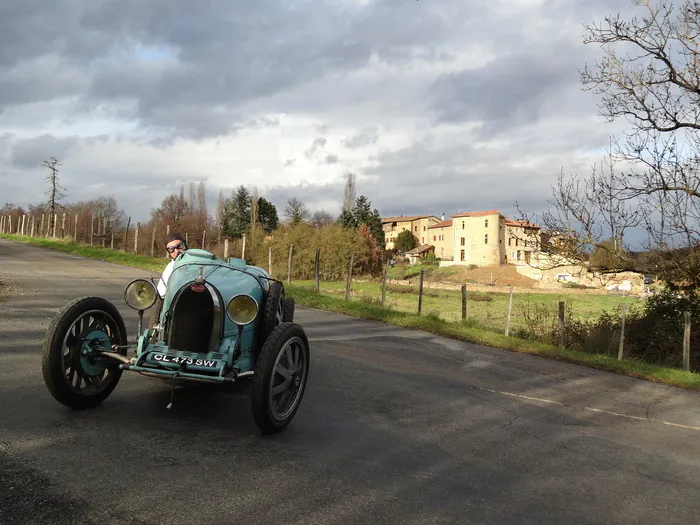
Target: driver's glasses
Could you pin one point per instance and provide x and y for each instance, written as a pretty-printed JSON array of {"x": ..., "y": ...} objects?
[{"x": 171, "y": 249}]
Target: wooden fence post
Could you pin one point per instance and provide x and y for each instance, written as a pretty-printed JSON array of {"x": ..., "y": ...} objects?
[
  {"x": 269, "y": 261},
  {"x": 225, "y": 249},
  {"x": 348, "y": 283},
  {"x": 153, "y": 241},
  {"x": 63, "y": 226},
  {"x": 75, "y": 231},
  {"x": 420, "y": 292},
  {"x": 104, "y": 231},
  {"x": 384, "y": 277},
  {"x": 464, "y": 301},
  {"x": 187, "y": 239},
  {"x": 126, "y": 235},
  {"x": 31, "y": 233},
  {"x": 204, "y": 238},
  {"x": 111, "y": 241},
  {"x": 621, "y": 349},
  {"x": 243, "y": 246},
  {"x": 136, "y": 237},
  {"x": 41, "y": 227},
  {"x": 55, "y": 224},
  {"x": 289, "y": 264},
  {"x": 92, "y": 229},
  {"x": 317, "y": 271},
  {"x": 686, "y": 342},
  {"x": 561, "y": 323},
  {"x": 510, "y": 309}
]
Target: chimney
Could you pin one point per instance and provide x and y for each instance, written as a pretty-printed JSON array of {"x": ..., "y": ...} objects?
[{"x": 442, "y": 217}]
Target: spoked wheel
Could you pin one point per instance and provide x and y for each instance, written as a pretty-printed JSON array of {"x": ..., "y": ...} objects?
[
  {"x": 280, "y": 378},
  {"x": 74, "y": 372}
]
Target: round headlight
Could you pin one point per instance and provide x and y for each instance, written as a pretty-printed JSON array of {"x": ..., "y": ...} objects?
[
  {"x": 140, "y": 294},
  {"x": 242, "y": 309}
]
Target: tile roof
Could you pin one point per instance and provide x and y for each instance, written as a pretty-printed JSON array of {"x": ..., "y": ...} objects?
[
  {"x": 524, "y": 224},
  {"x": 405, "y": 218},
  {"x": 441, "y": 224},
  {"x": 477, "y": 213},
  {"x": 421, "y": 249}
]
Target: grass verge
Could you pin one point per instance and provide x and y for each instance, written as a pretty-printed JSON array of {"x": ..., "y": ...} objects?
[{"x": 466, "y": 331}]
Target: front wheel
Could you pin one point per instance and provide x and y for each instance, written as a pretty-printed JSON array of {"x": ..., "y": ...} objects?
[
  {"x": 280, "y": 378},
  {"x": 74, "y": 372}
]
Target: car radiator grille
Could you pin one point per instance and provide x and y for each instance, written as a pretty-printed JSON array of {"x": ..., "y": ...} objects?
[{"x": 192, "y": 321}]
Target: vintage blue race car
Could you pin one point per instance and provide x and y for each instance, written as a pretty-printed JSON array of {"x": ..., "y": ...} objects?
[{"x": 219, "y": 322}]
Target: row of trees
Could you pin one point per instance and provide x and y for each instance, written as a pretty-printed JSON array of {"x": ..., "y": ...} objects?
[{"x": 242, "y": 213}]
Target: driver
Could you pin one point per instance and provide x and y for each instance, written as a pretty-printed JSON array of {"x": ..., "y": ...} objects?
[{"x": 175, "y": 246}]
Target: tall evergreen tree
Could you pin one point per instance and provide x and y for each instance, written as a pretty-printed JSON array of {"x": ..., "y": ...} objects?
[
  {"x": 237, "y": 213},
  {"x": 267, "y": 215}
]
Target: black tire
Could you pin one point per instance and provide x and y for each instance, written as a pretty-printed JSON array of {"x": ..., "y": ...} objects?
[
  {"x": 273, "y": 312},
  {"x": 154, "y": 312},
  {"x": 273, "y": 411},
  {"x": 74, "y": 321},
  {"x": 289, "y": 310}
]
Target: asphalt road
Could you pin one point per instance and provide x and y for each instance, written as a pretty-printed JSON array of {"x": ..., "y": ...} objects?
[{"x": 396, "y": 426}]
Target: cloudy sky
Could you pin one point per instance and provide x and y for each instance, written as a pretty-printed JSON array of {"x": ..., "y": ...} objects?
[{"x": 437, "y": 106}]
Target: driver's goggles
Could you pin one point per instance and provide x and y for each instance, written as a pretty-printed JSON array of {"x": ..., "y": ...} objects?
[{"x": 171, "y": 249}]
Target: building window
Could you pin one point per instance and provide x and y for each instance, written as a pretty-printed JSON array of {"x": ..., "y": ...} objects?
[
  {"x": 423, "y": 228},
  {"x": 461, "y": 255},
  {"x": 462, "y": 224},
  {"x": 516, "y": 241},
  {"x": 486, "y": 238},
  {"x": 422, "y": 240},
  {"x": 486, "y": 223},
  {"x": 434, "y": 238},
  {"x": 415, "y": 228},
  {"x": 509, "y": 240},
  {"x": 462, "y": 242}
]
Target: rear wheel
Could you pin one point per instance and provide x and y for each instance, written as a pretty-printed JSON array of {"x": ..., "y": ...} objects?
[
  {"x": 280, "y": 378},
  {"x": 74, "y": 372}
]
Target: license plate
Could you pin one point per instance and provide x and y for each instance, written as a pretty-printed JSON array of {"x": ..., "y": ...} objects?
[{"x": 163, "y": 358}]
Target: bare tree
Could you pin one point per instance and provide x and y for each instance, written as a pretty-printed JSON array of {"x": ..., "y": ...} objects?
[
  {"x": 54, "y": 192},
  {"x": 202, "y": 200},
  {"x": 349, "y": 193},
  {"x": 321, "y": 218},
  {"x": 649, "y": 77},
  {"x": 192, "y": 201},
  {"x": 295, "y": 211}
]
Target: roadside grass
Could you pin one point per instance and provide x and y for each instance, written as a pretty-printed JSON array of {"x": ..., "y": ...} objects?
[{"x": 366, "y": 307}]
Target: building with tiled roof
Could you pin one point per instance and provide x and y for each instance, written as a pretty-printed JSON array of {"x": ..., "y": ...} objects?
[
  {"x": 481, "y": 238},
  {"x": 417, "y": 224}
]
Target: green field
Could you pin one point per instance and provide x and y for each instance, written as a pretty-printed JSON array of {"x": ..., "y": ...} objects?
[{"x": 489, "y": 309}]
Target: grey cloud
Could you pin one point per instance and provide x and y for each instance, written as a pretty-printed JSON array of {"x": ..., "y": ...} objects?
[
  {"x": 317, "y": 144},
  {"x": 332, "y": 159},
  {"x": 30, "y": 153},
  {"x": 511, "y": 90},
  {"x": 364, "y": 137},
  {"x": 217, "y": 54}
]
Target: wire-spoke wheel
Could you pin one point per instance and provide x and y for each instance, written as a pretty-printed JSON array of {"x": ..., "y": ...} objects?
[
  {"x": 280, "y": 377},
  {"x": 74, "y": 371}
]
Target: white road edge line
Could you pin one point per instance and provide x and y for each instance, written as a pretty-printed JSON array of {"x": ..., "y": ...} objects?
[
  {"x": 616, "y": 414},
  {"x": 530, "y": 398},
  {"x": 690, "y": 427},
  {"x": 681, "y": 426}
]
